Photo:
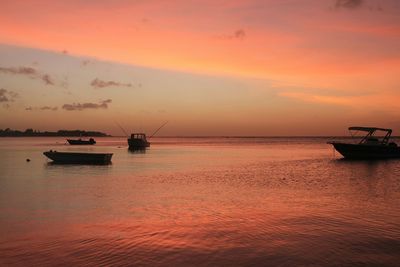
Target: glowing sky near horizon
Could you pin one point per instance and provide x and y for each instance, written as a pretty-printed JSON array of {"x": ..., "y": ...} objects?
[{"x": 235, "y": 67}]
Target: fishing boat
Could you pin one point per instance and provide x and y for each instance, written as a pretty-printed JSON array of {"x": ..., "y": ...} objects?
[
  {"x": 371, "y": 146},
  {"x": 80, "y": 141},
  {"x": 138, "y": 141},
  {"x": 78, "y": 158}
]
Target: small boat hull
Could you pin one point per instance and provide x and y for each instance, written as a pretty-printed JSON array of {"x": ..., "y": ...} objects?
[
  {"x": 81, "y": 142},
  {"x": 363, "y": 151},
  {"x": 79, "y": 158}
]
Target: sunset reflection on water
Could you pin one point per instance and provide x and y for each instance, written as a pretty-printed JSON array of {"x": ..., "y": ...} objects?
[{"x": 199, "y": 202}]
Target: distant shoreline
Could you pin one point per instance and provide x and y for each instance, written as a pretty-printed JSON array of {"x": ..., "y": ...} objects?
[
  {"x": 83, "y": 133},
  {"x": 60, "y": 133},
  {"x": 200, "y": 137}
]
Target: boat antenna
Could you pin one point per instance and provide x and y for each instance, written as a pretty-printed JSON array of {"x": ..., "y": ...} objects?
[
  {"x": 158, "y": 129},
  {"x": 122, "y": 129}
]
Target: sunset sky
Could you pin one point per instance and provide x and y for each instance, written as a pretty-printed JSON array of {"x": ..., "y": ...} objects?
[{"x": 238, "y": 67}]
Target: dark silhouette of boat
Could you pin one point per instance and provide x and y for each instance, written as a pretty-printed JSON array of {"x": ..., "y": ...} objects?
[
  {"x": 371, "y": 146},
  {"x": 78, "y": 158},
  {"x": 138, "y": 141},
  {"x": 80, "y": 141}
]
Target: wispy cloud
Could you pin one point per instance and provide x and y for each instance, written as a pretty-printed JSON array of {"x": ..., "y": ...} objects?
[
  {"x": 82, "y": 106},
  {"x": 19, "y": 70},
  {"x": 97, "y": 83},
  {"x": 376, "y": 101},
  {"x": 239, "y": 34},
  {"x": 7, "y": 96},
  {"x": 350, "y": 4},
  {"x": 28, "y": 71},
  {"x": 42, "y": 108},
  {"x": 49, "y": 108},
  {"x": 325, "y": 99},
  {"x": 86, "y": 62},
  {"x": 47, "y": 79}
]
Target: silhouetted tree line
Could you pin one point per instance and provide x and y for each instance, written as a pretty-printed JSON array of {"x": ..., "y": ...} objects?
[{"x": 31, "y": 132}]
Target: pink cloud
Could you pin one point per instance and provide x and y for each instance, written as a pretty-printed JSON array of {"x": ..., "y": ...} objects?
[
  {"x": 82, "y": 106},
  {"x": 28, "y": 71},
  {"x": 97, "y": 83}
]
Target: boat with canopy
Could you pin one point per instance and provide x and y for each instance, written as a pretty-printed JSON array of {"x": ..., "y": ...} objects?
[{"x": 374, "y": 145}]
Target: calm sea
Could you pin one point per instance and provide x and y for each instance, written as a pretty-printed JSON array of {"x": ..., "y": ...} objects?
[{"x": 198, "y": 202}]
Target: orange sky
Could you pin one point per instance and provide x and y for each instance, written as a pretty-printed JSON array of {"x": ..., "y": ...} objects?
[{"x": 212, "y": 67}]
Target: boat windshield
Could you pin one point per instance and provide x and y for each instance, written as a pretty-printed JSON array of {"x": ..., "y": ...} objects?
[{"x": 138, "y": 136}]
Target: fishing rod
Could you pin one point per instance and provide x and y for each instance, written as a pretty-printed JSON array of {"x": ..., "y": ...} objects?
[
  {"x": 158, "y": 129},
  {"x": 122, "y": 129}
]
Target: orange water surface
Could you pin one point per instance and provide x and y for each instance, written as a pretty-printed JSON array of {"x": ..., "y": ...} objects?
[{"x": 198, "y": 202}]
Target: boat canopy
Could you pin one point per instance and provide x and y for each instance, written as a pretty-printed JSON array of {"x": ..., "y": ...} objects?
[
  {"x": 371, "y": 130},
  {"x": 368, "y": 129}
]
